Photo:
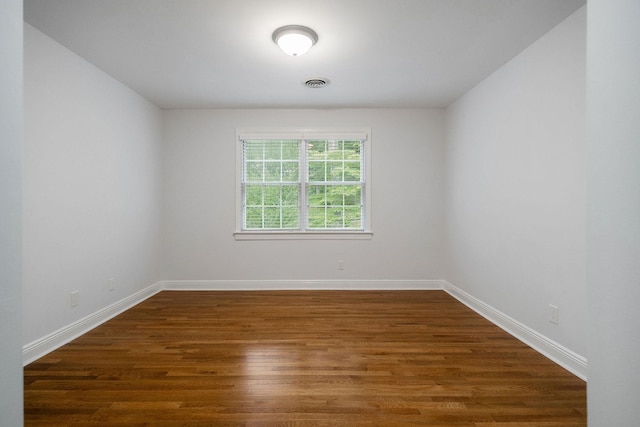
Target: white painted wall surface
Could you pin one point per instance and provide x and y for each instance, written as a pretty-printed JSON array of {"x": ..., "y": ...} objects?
[
  {"x": 200, "y": 173},
  {"x": 515, "y": 187},
  {"x": 613, "y": 237},
  {"x": 11, "y": 132},
  {"x": 92, "y": 188}
]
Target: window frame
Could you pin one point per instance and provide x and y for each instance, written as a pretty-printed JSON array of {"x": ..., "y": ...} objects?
[{"x": 303, "y": 233}]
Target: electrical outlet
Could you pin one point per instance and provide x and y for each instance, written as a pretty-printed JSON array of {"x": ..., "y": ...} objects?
[
  {"x": 554, "y": 314},
  {"x": 112, "y": 284},
  {"x": 75, "y": 298},
  {"x": 340, "y": 264}
]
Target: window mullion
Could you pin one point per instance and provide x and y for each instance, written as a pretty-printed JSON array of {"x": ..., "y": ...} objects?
[
  {"x": 264, "y": 172},
  {"x": 280, "y": 222},
  {"x": 303, "y": 177}
]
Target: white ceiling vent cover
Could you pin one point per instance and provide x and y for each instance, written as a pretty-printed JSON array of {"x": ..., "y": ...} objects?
[{"x": 316, "y": 83}]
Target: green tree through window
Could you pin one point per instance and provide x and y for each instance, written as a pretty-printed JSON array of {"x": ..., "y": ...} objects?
[
  {"x": 271, "y": 184},
  {"x": 334, "y": 184}
]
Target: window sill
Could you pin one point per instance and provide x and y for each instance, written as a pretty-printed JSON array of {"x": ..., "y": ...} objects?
[{"x": 306, "y": 235}]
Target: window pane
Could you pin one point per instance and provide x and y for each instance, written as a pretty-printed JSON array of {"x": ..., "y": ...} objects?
[
  {"x": 335, "y": 171},
  {"x": 273, "y": 172},
  {"x": 271, "y": 195},
  {"x": 316, "y": 217},
  {"x": 352, "y": 150},
  {"x": 254, "y": 171},
  {"x": 290, "y": 172},
  {"x": 316, "y": 195},
  {"x": 334, "y": 151},
  {"x": 316, "y": 171},
  {"x": 253, "y": 195},
  {"x": 271, "y": 217},
  {"x": 335, "y": 195},
  {"x": 253, "y": 151},
  {"x": 273, "y": 150},
  {"x": 335, "y": 218},
  {"x": 335, "y": 207},
  {"x": 290, "y": 150},
  {"x": 353, "y": 195},
  {"x": 253, "y": 218},
  {"x": 316, "y": 150},
  {"x": 353, "y": 217},
  {"x": 352, "y": 171},
  {"x": 290, "y": 217},
  {"x": 290, "y": 195}
]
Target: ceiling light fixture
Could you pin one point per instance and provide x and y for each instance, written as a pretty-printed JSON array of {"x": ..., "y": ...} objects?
[{"x": 295, "y": 40}]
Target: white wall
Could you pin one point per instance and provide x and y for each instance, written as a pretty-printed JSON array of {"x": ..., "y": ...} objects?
[
  {"x": 515, "y": 187},
  {"x": 613, "y": 237},
  {"x": 92, "y": 188},
  {"x": 11, "y": 118},
  {"x": 200, "y": 173}
]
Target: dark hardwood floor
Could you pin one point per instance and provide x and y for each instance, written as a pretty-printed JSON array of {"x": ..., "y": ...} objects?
[{"x": 300, "y": 358}]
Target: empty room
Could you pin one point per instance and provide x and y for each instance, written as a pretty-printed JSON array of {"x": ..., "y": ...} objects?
[{"x": 356, "y": 212}]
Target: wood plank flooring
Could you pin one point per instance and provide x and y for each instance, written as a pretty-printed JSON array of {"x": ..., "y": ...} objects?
[{"x": 300, "y": 358}]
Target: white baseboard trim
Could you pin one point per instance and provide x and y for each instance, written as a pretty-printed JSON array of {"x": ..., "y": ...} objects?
[
  {"x": 281, "y": 285},
  {"x": 48, "y": 343},
  {"x": 571, "y": 361}
]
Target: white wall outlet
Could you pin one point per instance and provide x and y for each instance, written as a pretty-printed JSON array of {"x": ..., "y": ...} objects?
[
  {"x": 554, "y": 314},
  {"x": 340, "y": 264},
  {"x": 75, "y": 298},
  {"x": 112, "y": 284}
]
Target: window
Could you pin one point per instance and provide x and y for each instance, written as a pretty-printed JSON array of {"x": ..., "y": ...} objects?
[{"x": 303, "y": 184}]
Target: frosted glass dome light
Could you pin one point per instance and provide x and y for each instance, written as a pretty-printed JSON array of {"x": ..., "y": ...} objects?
[{"x": 295, "y": 40}]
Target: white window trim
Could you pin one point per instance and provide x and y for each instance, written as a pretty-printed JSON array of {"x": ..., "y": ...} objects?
[{"x": 360, "y": 133}]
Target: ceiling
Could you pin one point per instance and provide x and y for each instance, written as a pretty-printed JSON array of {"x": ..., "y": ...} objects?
[{"x": 376, "y": 53}]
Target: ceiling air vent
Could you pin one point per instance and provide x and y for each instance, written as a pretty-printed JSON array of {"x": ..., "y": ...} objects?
[{"x": 316, "y": 83}]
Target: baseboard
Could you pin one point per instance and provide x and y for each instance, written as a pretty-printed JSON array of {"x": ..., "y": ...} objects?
[
  {"x": 48, "y": 343},
  {"x": 564, "y": 357},
  {"x": 268, "y": 285}
]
